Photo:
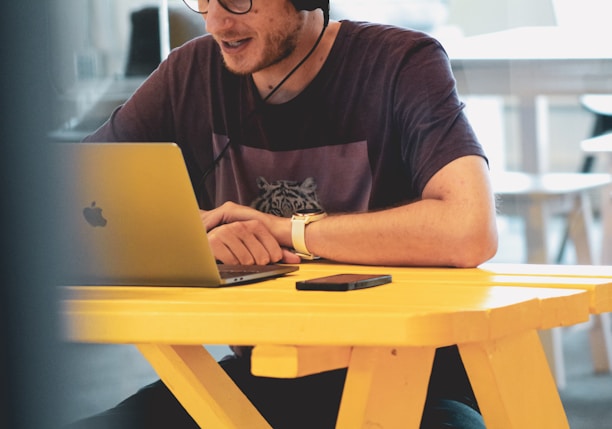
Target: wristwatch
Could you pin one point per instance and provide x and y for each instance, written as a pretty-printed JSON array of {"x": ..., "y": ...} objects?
[{"x": 299, "y": 220}]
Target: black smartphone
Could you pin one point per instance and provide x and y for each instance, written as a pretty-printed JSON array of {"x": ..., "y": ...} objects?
[{"x": 344, "y": 282}]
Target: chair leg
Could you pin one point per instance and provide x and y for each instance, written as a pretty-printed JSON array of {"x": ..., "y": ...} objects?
[
  {"x": 602, "y": 125},
  {"x": 600, "y": 334},
  {"x": 588, "y": 163},
  {"x": 601, "y": 342},
  {"x": 580, "y": 227}
]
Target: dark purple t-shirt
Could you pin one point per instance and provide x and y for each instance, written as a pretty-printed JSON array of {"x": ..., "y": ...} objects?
[{"x": 378, "y": 121}]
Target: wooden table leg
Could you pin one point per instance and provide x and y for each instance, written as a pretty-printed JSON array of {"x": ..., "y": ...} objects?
[
  {"x": 385, "y": 387},
  {"x": 202, "y": 387},
  {"x": 513, "y": 383}
]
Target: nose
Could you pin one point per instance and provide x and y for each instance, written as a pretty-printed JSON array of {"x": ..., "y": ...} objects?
[{"x": 217, "y": 19}]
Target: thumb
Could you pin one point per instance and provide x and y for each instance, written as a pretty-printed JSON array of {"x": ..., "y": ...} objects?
[{"x": 290, "y": 258}]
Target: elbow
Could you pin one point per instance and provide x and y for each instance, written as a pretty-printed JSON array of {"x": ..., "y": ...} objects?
[{"x": 477, "y": 248}]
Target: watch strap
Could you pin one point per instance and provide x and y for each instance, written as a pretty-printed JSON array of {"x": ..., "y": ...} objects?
[
  {"x": 298, "y": 239},
  {"x": 298, "y": 230}
]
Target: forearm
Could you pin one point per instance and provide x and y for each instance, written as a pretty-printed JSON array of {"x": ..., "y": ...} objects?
[
  {"x": 425, "y": 233},
  {"x": 454, "y": 224}
]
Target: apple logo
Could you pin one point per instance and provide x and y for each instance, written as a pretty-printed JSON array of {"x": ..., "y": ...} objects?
[{"x": 93, "y": 215}]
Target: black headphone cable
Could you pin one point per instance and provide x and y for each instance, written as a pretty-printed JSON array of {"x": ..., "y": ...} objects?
[{"x": 218, "y": 158}]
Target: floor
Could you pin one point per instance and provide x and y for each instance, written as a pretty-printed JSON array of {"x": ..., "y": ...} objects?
[
  {"x": 588, "y": 396},
  {"x": 102, "y": 375}
]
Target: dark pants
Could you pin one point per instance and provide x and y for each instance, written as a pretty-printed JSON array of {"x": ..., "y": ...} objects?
[{"x": 309, "y": 402}]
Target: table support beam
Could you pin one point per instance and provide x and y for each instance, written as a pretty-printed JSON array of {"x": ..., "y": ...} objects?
[
  {"x": 385, "y": 387},
  {"x": 202, "y": 387},
  {"x": 513, "y": 383},
  {"x": 297, "y": 361}
]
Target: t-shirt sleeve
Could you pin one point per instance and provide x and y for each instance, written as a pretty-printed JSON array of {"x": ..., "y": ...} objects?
[
  {"x": 434, "y": 128},
  {"x": 173, "y": 105},
  {"x": 147, "y": 116}
]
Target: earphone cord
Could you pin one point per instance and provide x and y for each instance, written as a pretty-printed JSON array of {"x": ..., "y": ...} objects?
[
  {"x": 298, "y": 65},
  {"x": 215, "y": 162}
]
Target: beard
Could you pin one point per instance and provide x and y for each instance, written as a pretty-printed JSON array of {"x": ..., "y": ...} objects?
[
  {"x": 278, "y": 46},
  {"x": 277, "y": 49}
]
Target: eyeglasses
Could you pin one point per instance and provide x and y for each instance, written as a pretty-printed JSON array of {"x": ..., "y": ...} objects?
[{"x": 238, "y": 7}]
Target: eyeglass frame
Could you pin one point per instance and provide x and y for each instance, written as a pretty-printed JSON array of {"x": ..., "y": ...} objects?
[{"x": 224, "y": 6}]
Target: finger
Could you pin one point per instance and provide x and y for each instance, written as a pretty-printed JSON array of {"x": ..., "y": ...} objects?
[
  {"x": 271, "y": 250},
  {"x": 223, "y": 254},
  {"x": 211, "y": 218},
  {"x": 255, "y": 250},
  {"x": 241, "y": 243},
  {"x": 290, "y": 258},
  {"x": 228, "y": 248},
  {"x": 259, "y": 242}
]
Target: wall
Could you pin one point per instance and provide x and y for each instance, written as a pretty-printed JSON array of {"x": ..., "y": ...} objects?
[
  {"x": 484, "y": 16},
  {"x": 90, "y": 42},
  {"x": 496, "y": 119}
]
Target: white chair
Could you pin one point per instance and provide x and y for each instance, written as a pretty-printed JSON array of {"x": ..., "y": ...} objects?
[
  {"x": 601, "y": 332},
  {"x": 537, "y": 197},
  {"x": 601, "y": 107}
]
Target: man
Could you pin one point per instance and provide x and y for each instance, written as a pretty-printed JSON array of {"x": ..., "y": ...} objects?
[{"x": 278, "y": 111}]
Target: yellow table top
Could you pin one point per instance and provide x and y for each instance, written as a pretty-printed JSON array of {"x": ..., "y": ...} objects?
[
  {"x": 423, "y": 306},
  {"x": 597, "y": 279},
  {"x": 383, "y": 335}
]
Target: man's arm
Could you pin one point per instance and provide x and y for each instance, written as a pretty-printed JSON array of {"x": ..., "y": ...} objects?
[{"x": 452, "y": 225}]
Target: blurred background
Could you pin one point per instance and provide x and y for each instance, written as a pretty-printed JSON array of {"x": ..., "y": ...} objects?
[
  {"x": 103, "y": 49},
  {"x": 69, "y": 63}
]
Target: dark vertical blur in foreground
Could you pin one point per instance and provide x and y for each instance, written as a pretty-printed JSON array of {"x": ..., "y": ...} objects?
[{"x": 30, "y": 351}]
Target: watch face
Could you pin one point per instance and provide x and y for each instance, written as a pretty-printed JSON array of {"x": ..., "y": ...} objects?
[{"x": 313, "y": 211}]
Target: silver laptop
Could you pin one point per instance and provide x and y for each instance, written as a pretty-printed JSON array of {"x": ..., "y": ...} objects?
[{"x": 129, "y": 216}]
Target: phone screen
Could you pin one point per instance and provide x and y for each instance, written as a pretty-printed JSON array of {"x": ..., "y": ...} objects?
[{"x": 344, "y": 282}]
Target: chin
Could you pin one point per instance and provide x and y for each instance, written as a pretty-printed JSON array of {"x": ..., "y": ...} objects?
[{"x": 239, "y": 69}]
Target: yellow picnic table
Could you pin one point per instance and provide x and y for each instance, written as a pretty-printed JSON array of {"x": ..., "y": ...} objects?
[
  {"x": 597, "y": 279},
  {"x": 386, "y": 336}
]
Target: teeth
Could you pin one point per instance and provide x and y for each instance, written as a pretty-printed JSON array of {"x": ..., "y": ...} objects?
[{"x": 235, "y": 43}]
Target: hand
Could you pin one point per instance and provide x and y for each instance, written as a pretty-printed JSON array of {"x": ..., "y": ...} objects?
[
  {"x": 242, "y": 235},
  {"x": 227, "y": 213},
  {"x": 247, "y": 243}
]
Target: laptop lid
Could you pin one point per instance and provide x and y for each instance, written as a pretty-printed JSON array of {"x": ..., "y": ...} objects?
[{"x": 129, "y": 217}]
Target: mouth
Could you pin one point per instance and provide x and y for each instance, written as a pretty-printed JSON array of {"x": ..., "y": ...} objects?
[{"x": 233, "y": 46}]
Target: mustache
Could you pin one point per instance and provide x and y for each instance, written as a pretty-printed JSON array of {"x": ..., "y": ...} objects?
[{"x": 229, "y": 35}]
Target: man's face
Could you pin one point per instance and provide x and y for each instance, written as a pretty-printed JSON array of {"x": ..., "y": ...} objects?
[{"x": 257, "y": 40}]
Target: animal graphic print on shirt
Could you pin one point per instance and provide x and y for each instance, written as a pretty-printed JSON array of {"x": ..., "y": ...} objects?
[{"x": 285, "y": 197}]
